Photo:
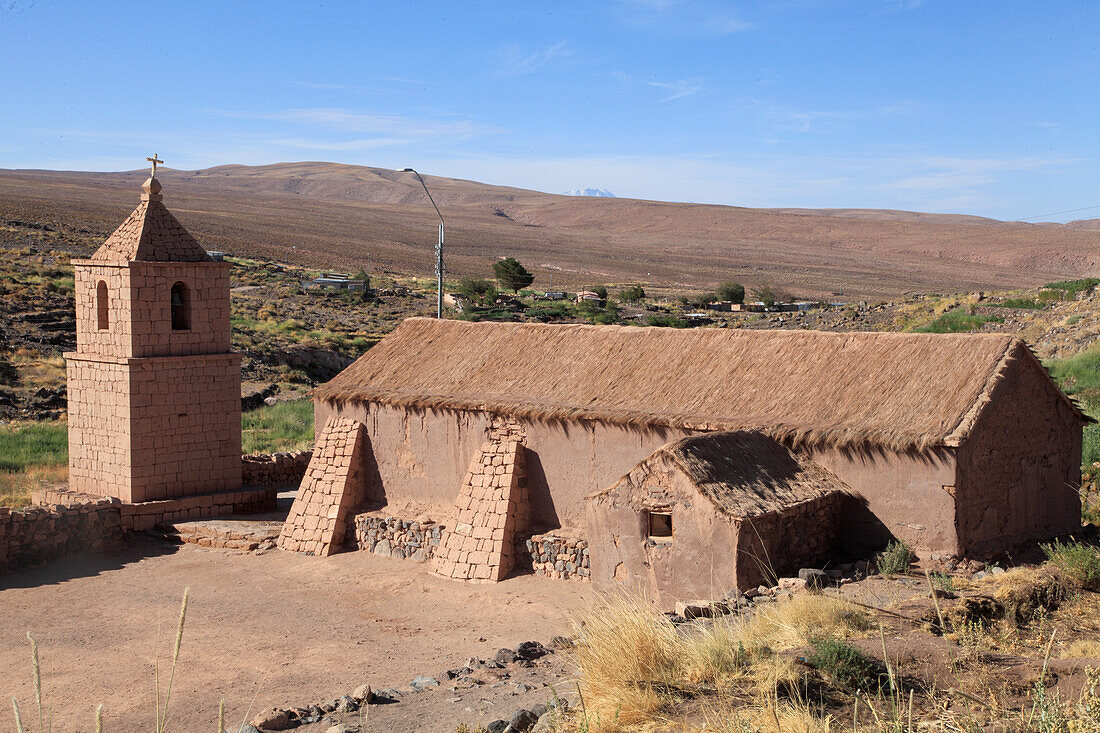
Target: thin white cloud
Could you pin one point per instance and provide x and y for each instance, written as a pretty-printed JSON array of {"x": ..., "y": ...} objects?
[
  {"x": 677, "y": 89},
  {"x": 346, "y": 120},
  {"x": 514, "y": 60},
  {"x": 684, "y": 17}
]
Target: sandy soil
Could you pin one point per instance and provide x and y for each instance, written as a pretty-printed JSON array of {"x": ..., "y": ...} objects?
[{"x": 264, "y": 630}]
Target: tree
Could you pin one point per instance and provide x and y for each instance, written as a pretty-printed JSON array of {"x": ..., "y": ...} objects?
[
  {"x": 511, "y": 274},
  {"x": 632, "y": 294},
  {"x": 731, "y": 291},
  {"x": 766, "y": 295},
  {"x": 601, "y": 291},
  {"x": 368, "y": 294}
]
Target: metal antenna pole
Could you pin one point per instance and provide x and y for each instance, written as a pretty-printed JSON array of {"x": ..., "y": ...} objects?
[{"x": 438, "y": 249}]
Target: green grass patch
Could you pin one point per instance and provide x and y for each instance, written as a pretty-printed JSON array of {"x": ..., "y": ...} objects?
[
  {"x": 957, "y": 321},
  {"x": 1090, "y": 440},
  {"x": 284, "y": 426},
  {"x": 1028, "y": 303},
  {"x": 1079, "y": 374},
  {"x": 1072, "y": 287},
  {"x": 1079, "y": 562},
  {"x": 29, "y": 446}
]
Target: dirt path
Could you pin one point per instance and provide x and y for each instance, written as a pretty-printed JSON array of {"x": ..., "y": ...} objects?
[{"x": 262, "y": 630}]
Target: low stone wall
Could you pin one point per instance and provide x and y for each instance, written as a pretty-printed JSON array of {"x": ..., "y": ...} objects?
[
  {"x": 394, "y": 537},
  {"x": 274, "y": 469},
  {"x": 39, "y": 533},
  {"x": 148, "y": 514},
  {"x": 550, "y": 555},
  {"x": 557, "y": 556}
]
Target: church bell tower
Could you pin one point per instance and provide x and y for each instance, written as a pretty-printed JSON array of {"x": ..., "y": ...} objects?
[{"x": 153, "y": 388}]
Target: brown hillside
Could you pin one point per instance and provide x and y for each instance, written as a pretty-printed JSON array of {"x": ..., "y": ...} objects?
[{"x": 335, "y": 215}]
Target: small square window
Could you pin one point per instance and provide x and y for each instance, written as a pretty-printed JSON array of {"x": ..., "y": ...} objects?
[{"x": 660, "y": 524}]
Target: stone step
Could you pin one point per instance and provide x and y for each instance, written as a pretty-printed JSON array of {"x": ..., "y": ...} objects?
[{"x": 228, "y": 533}]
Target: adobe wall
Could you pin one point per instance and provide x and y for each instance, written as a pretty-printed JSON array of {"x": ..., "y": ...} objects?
[
  {"x": 274, "y": 469},
  {"x": 778, "y": 544},
  {"x": 421, "y": 457},
  {"x": 186, "y": 425},
  {"x": 1020, "y": 468},
  {"x": 698, "y": 561},
  {"x": 905, "y": 499},
  {"x": 139, "y": 308},
  {"x": 99, "y": 425}
]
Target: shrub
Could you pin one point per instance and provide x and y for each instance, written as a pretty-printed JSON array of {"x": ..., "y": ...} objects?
[
  {"x": 895, "y": 559},
  {"x": 845, "y": 664},
  {"x": 1079, "y": 562},
  {"x": 666, "y": 321},
  {"x": 632, "y": 294},
  {"x": 601, "y": 291}
]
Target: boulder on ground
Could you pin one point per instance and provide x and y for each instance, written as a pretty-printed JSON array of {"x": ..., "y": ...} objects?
[{"x": 272, "y": 719}]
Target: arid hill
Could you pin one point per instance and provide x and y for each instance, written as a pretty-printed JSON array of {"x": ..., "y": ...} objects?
[{"x": 334, "y": 215}]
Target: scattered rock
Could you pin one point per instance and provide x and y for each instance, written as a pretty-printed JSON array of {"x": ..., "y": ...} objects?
[
  {"x": 531, "y": 650},
  {"x": 272, "y": 719},
  {"x": 815, "y": 579},
  {"x": 422, "y": 683},
  {"x": 792, "y": 584},
  {"x": 696, "y": 609},
  {"x": 347, "y": 704},
  {"x": 497, "y": 726},
  {"x": 522, "y": 721},
  {"x": 561, "y": 642},
  {"x": 506, "y": 656}
]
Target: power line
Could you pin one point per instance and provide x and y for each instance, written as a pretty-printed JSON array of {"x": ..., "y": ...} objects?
[{"x": 1056, "y": 213}]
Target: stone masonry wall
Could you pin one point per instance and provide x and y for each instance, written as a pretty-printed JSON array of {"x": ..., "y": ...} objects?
[
  {"x": 38, "y": 533},
  {"x": 274, "y": 469},
  {"x": 491, "y": 512},
  {"x": 333, "y": 485},
  {"x": 555, "y": 556},
  {"x": 393, "y": 537}
]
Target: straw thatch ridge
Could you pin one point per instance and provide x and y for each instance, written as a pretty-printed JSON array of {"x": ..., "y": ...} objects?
[
  {"x": 888, "y": 390},
  {"x": 743, "y": 473}
]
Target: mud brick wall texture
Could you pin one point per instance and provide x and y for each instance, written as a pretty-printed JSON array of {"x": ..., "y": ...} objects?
[
  {"x": 275, "y": 469},
  {"x": 333, "y": 485},
  {"x": 492, "y": 508},
  {"x": 393, "y": 537},
  {"x": 554, "y": 556},
  {"x": 37, "y": 534}
]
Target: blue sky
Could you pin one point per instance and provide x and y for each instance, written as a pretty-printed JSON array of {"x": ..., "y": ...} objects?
[{"x": 979, "y": 107}]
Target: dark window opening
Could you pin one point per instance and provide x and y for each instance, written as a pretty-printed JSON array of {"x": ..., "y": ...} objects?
[
  {"x": 181, "y": 308},
  {"x": 660, "y": 524},
  {"x": 102, "y": 313}
]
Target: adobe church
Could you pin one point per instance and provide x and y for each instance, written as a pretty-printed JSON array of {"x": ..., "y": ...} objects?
[{"x": 153, "y": 387}]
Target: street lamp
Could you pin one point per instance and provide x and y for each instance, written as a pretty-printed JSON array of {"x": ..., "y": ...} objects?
[{"x": 438, "y": 246}]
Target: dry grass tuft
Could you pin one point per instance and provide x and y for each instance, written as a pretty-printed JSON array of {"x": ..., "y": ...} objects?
[
  {"x": 1082, "y": 649},
  {"x": 793, "y": 623},
  {"x": 1025, "y": 592},
  {"x": 635, "y": 665}
]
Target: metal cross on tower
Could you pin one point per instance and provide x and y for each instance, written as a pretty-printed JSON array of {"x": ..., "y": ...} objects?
[{"x": 154, "y": 160}]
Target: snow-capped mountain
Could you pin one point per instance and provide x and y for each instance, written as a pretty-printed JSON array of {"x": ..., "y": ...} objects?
[{"x": 601, "y": 192}]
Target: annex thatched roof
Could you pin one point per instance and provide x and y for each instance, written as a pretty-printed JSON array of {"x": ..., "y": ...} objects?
[
  {"x": 743, "y": 473},
  {"x": 893, "y": 390}
]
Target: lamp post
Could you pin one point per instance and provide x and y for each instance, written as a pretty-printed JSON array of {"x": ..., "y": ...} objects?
[{"x": 438, "y": 246}]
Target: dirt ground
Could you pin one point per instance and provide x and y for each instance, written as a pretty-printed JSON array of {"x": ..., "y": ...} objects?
[{"x": 264, "y": 630}]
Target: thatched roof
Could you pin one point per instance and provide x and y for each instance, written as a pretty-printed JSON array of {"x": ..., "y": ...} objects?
[
  {"x": 743, "y": 473},
  {"x": 881, "y": 389}
]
